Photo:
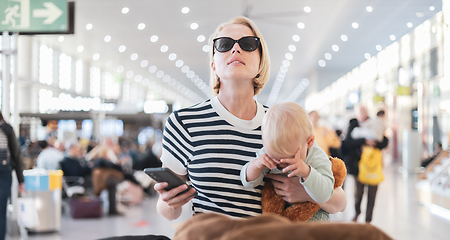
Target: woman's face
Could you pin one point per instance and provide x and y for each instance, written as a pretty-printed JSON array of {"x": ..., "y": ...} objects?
[{"x": 236, "y": 64}]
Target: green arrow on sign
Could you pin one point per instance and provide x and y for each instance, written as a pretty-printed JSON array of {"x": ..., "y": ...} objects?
[{"x": 51, "y": 12}]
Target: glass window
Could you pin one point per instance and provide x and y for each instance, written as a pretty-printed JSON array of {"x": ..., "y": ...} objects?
[
  {"x": 45, "y": 65},
  {"x": 79, "y": 76},
  {"x": 65, "y": 73},
  {"x": 96, "y": 81},
  {"x": 45, "y": 100},
  {"x": 111, "y": 87}
]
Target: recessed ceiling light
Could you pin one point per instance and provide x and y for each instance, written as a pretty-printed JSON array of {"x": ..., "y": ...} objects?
[
  {"x": 369, "y": 9},
  {"x": 190, "y": 74},
  {"x": 206, "y": 48},
  {"x": 286, "y": 63},
  {"x": 152, "y": 69},
  {"x": 283, "y": 70},
  {"x": 431, "y": 8},
  {"x": 179, "y": 63},
  {"x": 122, "y": 48},
  {"x": 392, "y": 37},
  {"x": 154, "y": 38},
  {"x": 289, "y": 56},
  {"x": 322, "y": 63},
  {"x": 409, "y": 25},
  {"x": 60, "y": 38},
  {"x": 194, "y": 26},
  {"x": 166, "y": 78},
  {"x": 96, "y": 56},
  {"x": 144, "y": 63},
  {"x": 367, "y": 56},
  {"x": 120, "y": 69},
  {"x": 107, "y": 38},
  {"x": 80, "y": 48},
  {"x": 307, "y": 9},
  {"x": 125, "y": 10},
  {"x": 141, "y": 26},
  {"x": 134, "y": 56},
  {"x": 130, "y": 74},
  {"x": 292, "y": 48},
  {"x": 305, "y": 82},
  {"x": 89, "y": 26},
  {"x": 296, "y": 38},
  {"x": 335, "y": 48},
  {"x": 344, "y": 38},
  {"x": 201, "y": 38},
  {"x": 164, "y": 48},
  {"x": 185, "y": 69},
  {"x": 185, "y": 10},
  {"x": 328, "y": 56},
  {"x": 172, "y": 56},
  {"x": 159, "y": 74},
  {"x": 138, "y": 78},
  {"x": 355, "y": 25},
  {"x": 379, "y": 48},
  {"x": 419, "y": 14},
  {"x": 301, "y": 25}
]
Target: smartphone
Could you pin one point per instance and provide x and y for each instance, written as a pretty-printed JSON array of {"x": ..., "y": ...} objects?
[{"x": 166, "y": 175}]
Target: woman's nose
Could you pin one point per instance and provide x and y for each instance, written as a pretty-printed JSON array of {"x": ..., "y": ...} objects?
[{"x": 236, "y": 48}]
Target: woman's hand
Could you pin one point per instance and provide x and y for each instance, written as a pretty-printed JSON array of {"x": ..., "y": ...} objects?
[
  {"x": 171, "y": 198},
  {"x": 289, "y": 188}
]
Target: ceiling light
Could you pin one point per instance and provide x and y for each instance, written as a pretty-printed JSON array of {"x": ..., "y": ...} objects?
[
  {"x": 307, "y": 9},
  {"x": 134, "y": 56},
  {"x": 431, "y": 8},
  {"x": 201, "y": 38},
  {"x": 392, "y": 37},
  {"x": 286, "y": 63},
  {"x": 179, "y": 63},
  {"x": 152, "y": 69},
  {"x": 292, "y": 48},
  {"x": 328, "y": 56},
  {"x": 289, "y": 56},
  {"x": 344, "y": 38},
  {"x": 369, "y": 9},
  {"x": 206, "y": 48},
  {"x": 154, "y": 38},
  {"x": 138, "y": 78},
  {"x": 296, "y": 38},
  {"x": 120, "y": 69},
  {"x": 190, "y": 74},
  {"x": 60, "y": 38},
  {"x": 164, "y": 48},
  {"x": 194, "y": 26},
  {"x": 125, "y": 10},
  {"x": 122, "y": 48},
  {"x": 80, "y": 48},
  {"x": 96, "y": 56},
  {"x": 419, "y": 14},
  {"x": 301, "y": 25},
  {"x": 166, "y": 78},
  {"x": 172, "y": 56},
  {"x": 335, "y": 48},
  {"x": 322, "y": 63},
  {"x": 305, "y": 82},
  {"x": 355, "y": 25},
  {"x": 379, "y": 48},
  {"x": 409, "y": 25},
  {"x": 159, "y": 74},
  {"x": 107, "y": 38},
  {"x": 144, "y": 63},
  {"x": 141, "y": 26},
  {"x": 89, "y": 26},
  {"x": 185, "y": 69},
  {"x": 367, "y": 56},
  {"x": 130, "y": 74},
  {"x": 185, "y": 10}
]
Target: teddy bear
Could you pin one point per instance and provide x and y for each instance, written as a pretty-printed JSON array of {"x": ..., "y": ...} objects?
[{"x": 272, "y": 203}]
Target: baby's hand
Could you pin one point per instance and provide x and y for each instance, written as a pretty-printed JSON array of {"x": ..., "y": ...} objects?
[
  {"x": 265, "y": 161},
  {"x": 297, "y": 166}
]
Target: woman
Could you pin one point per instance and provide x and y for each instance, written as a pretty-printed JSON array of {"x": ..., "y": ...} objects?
[{"x": 209, "y": 143}]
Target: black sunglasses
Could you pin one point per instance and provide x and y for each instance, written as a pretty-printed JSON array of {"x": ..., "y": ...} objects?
[{"x": 225, "y": 44}]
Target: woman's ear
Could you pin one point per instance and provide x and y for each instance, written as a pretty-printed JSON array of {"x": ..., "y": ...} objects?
[
  {"x": 310, "y": 141},
  {"x": 213, "y": 66}
]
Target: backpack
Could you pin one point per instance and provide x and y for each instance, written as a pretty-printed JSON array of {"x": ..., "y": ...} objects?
[{"x": 371, "y": 166}]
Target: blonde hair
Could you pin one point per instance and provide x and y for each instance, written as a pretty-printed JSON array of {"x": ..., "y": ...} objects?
[
  {"x": 264, "y": 64},
  {"x": 285, "y": 124}
]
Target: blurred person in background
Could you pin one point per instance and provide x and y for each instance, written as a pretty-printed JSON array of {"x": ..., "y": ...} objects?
[
  {"x": 50, "y": 157},
  {"x": 10, "y": 159},
  {"x": 73, "y": 164},
  {"x": 325, "y": 138}
]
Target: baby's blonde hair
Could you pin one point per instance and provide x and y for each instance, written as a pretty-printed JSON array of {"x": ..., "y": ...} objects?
[{"x": 285, "y": 124}]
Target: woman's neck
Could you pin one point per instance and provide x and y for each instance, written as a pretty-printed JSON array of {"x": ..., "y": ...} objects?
[{"x": 240, "y": 104}]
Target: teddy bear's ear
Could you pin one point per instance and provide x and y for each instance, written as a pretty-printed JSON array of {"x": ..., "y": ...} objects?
[{"x": 339, "y": 171}]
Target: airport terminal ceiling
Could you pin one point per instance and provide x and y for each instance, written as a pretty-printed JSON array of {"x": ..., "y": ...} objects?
[{"x": 315, "y": 40}]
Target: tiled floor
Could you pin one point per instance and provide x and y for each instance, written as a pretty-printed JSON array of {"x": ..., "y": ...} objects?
[{"x": 397, "y": 212}]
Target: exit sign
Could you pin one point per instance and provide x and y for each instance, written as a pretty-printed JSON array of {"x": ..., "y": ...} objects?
[{"x": 33, "y": 16}]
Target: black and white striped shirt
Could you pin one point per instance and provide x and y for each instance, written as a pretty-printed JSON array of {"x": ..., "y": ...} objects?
[{"x": 211, "y": 145}]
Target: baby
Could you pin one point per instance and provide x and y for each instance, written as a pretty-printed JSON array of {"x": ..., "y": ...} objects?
[
  {"x": 289, "y": 148},
  {"x": 372, "y": 129}
]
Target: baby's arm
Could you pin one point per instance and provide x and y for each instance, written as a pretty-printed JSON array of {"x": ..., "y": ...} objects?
[{"x": 252, "y": 173}]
